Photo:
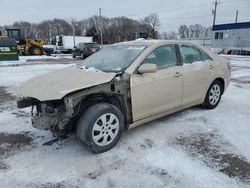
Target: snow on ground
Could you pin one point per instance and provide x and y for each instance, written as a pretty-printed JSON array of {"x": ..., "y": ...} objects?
[
  {"x": 23, "y": 60},
  {"x": 191, "y": 148}
]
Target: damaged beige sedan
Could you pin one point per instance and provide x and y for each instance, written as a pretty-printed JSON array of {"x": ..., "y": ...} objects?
[{"x": 122, "y": 86}]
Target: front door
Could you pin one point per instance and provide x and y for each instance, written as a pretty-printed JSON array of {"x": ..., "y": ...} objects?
[{"x": 154, "y": 93}]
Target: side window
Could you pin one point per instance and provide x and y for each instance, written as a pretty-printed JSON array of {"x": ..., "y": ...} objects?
[
  {"x": 218, "y": 35},
  {"x": 163, "y": 57},
  {"x": 205, "y": 56},
  {"x": 190, "y": 54}
]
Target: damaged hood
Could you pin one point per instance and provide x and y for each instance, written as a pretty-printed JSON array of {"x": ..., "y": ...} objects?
[{"x": 55, "y": 85}]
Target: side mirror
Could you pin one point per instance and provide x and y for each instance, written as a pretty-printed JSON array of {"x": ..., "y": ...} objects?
[{"x": 147, "y": 68}]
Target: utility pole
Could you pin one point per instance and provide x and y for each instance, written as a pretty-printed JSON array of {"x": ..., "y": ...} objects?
[
  {"x": 214, "y": 11},
  {"x": 100, "y": 20},
  {"x": 236, "y": 18},
  {"x": 74, "y": 34}
]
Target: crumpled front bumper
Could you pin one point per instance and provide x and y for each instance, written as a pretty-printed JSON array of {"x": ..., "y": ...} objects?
[
  {"x": 26, "y": 102},
  {"x": 49, "y": 123},
  {"x": 42, "y": 119}
]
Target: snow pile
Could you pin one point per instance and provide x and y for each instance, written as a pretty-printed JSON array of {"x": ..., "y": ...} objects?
[{"x": 34, "y": 59}]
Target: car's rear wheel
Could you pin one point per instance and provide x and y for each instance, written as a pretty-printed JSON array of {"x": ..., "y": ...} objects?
[
  {"x": 213, "y": 95},
  {"x": 82, "y": 55},
  {"x": 100, "y": 127}
]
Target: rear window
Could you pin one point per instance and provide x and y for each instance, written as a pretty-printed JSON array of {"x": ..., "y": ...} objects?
[
  {"x": 79, "y": 45},
  {"x": 91, "y": 45}
]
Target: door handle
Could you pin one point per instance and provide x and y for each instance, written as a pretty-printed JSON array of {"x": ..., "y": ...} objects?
[
  {"x": 211, "y": 66},
  {"x": 177, "y": 74}
]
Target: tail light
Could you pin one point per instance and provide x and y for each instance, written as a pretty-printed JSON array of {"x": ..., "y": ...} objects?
[{"x": 87, "y": 49}]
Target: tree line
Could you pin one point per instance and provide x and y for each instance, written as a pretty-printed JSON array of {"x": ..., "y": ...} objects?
[{"x": 114, "y": 29}]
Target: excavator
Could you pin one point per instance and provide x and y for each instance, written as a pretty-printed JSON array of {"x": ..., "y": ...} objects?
[{"x": 26, "y": 46}]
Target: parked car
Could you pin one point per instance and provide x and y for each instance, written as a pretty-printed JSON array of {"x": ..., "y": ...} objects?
[
  {"x": 49, "y": 49},
  {"x": 85, "y": 49},
  {"x": 65, "y": 44},
  {"x": 122, "y": 86}
]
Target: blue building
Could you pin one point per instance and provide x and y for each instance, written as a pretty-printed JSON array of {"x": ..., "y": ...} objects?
[{"x": 231, "y": 36}]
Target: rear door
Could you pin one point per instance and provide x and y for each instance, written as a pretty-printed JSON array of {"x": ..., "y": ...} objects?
[
  {"x": 198, "y": 72},
  {"x": 154, "y": 93}
]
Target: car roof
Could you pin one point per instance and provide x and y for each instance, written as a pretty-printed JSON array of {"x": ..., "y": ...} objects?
[
  {"x": 149, "y": 42},
  {"x": 87, "y": 43},
  {"x": 152, "y": 44}
]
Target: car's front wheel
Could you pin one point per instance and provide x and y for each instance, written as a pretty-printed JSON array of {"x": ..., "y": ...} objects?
[
  {"x": 213, "y": 95},
  {"x": 100, "y": 127}
]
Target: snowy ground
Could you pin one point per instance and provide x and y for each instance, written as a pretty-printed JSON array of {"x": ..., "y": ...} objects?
[
  {"x": 191, "y": 148},
  {"x": 27, "y": 60}
]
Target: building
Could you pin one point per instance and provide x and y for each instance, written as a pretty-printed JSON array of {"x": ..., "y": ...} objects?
[
  {"x": 204, "y": 41},
  {"x": 234, "y": 36}
]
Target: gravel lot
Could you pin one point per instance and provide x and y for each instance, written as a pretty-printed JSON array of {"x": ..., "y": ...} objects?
[{"x": 191, "y": 148}]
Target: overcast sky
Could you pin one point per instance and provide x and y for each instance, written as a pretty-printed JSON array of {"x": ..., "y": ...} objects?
[{"x": 172, "y": 13}]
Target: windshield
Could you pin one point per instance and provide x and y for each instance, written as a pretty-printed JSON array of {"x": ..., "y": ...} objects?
[{"x": 115, "y": 58}]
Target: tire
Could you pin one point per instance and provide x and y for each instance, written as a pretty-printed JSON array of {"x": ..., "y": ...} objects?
[
  {"x": 94, "y": 129},
  {"x": 82, "y": 55},
  {"x": 213, "y": 95},
  {"x": 35, "y": 50},
  {"x": 73, "y": 55}
]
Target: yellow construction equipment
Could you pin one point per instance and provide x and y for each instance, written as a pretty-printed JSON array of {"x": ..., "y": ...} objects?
[{"x": 26, "y": 46}]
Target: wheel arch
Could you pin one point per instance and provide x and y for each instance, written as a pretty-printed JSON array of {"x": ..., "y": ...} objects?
[
  {"x": 222, "y": 81},
  {"x": 206, "y": 103},
  {"x": 114, "y": 99}
]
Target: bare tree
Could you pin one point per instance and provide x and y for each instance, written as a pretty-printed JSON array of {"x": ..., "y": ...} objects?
[
  {"x": 182, "y": 31},
  {"x": 152, "y": 23},
  {"x": 172, "y": 35},
  {"x": 61, "y": 27},
  {"x": 48, "y": 29},
  {"x": 45, "y": 30},
  {"x": 27, "y": 29},
  {"x": 194, "y": 31},
  {"x": 114, "y": 29},
  {"x": 207, "y": 31},
  {"x": 121, "y": 29}
]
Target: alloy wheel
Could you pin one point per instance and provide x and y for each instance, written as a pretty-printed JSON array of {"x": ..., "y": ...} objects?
[
  {"x": 214, "y": 94},
  {"x": 105, "y": 129}
]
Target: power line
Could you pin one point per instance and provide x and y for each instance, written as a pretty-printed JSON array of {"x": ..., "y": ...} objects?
[
  {"x": 117, "y": 13},
  {"x": 172, "y": 9},
  {"x": 187, "y": 17}
]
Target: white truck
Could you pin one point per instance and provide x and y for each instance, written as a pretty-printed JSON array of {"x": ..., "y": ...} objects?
[{"x": 65, "y": 44}]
